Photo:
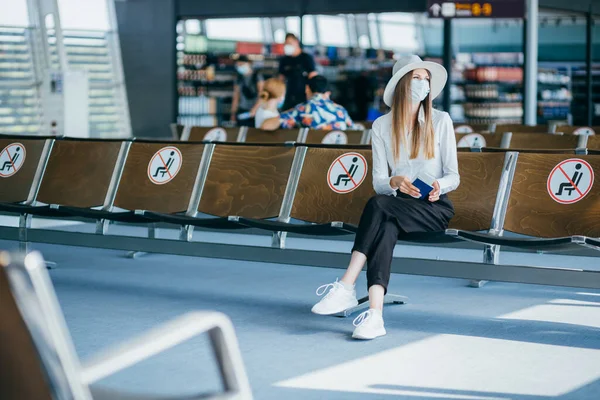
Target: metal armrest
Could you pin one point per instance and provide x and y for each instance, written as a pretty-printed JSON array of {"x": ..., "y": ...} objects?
[{"x": 170, "y": 334}]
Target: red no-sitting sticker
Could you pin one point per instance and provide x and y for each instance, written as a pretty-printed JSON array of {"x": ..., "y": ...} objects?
[
  {"x": 164, "y": 165},
  {"x": 570, "y": 181},
  {"x": 12, "y": 158},
  {"x": 347, "y": 172}
]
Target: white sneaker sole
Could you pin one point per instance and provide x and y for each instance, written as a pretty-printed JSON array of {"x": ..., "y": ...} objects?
[
  {"x": 330, "y": 312},
  {"x": 377, "y": 334}
]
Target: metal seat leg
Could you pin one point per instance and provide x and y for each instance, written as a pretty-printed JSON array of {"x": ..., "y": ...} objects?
[
  {"x": 363, "y": 304},
  {"x": 151, "y": 235}
]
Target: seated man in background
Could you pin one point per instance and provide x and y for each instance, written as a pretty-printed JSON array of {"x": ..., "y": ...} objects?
[{"x": 319, "y": 112}]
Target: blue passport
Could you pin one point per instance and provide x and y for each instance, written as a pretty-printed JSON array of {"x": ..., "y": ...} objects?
[{"x": 424, "y": 184}]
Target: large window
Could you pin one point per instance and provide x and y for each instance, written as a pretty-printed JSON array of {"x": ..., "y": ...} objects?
[
  {"x": 242, "y": 29},
  {"x": 308, "y": 28},
  {"x": 374, "y": 31},
  {"x": 14, "y": 13},
  {"x": 398, "y": 32},
  {"x": 91, "y": 45},
  {"x": 333, "y": 30},
  {"x": 93, "y": 16},
  {"x": 20, "y": 108}
]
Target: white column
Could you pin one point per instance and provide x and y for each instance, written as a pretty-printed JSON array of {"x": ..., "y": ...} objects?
[
  {"x": 114, "y": 48},
  {"x": 531, "y": 63}
]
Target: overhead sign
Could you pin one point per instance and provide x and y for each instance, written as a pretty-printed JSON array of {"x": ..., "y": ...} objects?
[
  {"x": 570, "y": 181},
  {"x": 476, "y": 9},
  {"x": 12, "y": 159},
  {"x": 347, "y": 172}
]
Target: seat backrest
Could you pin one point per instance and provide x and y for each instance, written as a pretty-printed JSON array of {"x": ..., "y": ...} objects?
[
  {"x": 334, "y": 137},
  {"x": 325, "y": 191},
  {"x": 521, "y": 128},
  {"x": 19, "y": 161},
  {"x": 159, "y": 177},
  {"x": 21, "y": 375},
  {"x": 475, "y": 198},
  {"x": 593, "y": 142},
  {"x": 471, "y": 128},
  {"x": 545, "y": 203},
  {"x": 540, "y": 151},
  {"x": 247, "y": 181},
  {"x": 39, "y": 337},
  {"x": 79, "y": 172},
  {"x": 177, "y": 131},
  {"x": 254, "y": 135},
  {"x": 366, "y": 124},
  {"x": 543, "y": 141},
  {"x": 478, "y": 140},
  {"x": 585, "y": 130},
  {"x": 210, "y": 134}
]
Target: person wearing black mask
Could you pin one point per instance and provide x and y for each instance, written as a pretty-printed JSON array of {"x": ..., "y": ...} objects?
[
  {"x": 296, "y": 67},
  {"x": 248, "y": 85}
]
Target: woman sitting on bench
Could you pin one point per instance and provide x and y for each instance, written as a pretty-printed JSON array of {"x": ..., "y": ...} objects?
[{"x": 414, "y": 141}]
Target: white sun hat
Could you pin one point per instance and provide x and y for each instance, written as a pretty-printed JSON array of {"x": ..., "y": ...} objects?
[{"x": 409, "y": 63}]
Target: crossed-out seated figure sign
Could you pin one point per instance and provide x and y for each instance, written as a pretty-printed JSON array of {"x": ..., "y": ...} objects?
[
  {"x": 12, "y": 158},
  {"x": 347, "y": 172},
  {"x": 570, "y": 181},
  {"x": 164, "y": 165}
]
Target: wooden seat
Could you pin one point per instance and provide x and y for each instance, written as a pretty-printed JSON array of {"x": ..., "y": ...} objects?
[
  {"x": 521, "y": 128},
  {"x": 320, "y": 201},
  {"x": 543, "y": 141},
  {"x": 475, "y": 198},
  {"x": 21, "y": 375},
  {"x": 79, "y": 172},
  {"x": 469, "y": 140},
  {"x": 39, "y": 360},
  {"x": 16, "y": 186},
  {"x": 142, "y": 187},
  {"x": 316, "y": 200},
  {"x": 334, "y": 137},
  {"x": 537, "y": 151},
  {"x": 593, "y": 142},
  {"x": 569, "y": 129},
  {"x": 475, "y": 128},
  {"x": 254, "y": 135},
  {"x": 247, "y": 181},
  {"x": 211, "y": 134},
  {"x": 533, "y": 211}
]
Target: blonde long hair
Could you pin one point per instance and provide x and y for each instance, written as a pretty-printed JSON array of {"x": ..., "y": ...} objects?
[
  {"x": 273, "y": 89},
  {"x": 402, "y": 124}
]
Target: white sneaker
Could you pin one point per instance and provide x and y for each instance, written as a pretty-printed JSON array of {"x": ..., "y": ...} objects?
[
  {"x": 369, "y": 325},
  {"x": 337, "y": 300}
]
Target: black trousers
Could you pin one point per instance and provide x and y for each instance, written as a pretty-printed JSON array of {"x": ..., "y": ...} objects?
[{"x": 385, "y": 219}]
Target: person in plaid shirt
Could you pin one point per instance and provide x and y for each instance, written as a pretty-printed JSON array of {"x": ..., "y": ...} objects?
[{"x": 319, "y": 112}]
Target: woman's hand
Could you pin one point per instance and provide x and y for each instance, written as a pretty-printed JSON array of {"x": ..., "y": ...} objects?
[
  {"x": 405, "y": 186},
  {"x": 434, "y": 195}
]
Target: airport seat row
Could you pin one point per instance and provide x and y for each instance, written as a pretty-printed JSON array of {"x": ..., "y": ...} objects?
[
  {"x": 528, "y": 141},
  {"x": 517, "y": 140},
  {"x": 253, "y": 135},
  {"x": 306, "y": 189},
  {"x": 555, "y": 127}
]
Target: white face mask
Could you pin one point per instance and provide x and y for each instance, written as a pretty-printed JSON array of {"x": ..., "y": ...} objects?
[
  {"x": 419, "y": 89},
  {"x": 243, "y": 69},
  {"x": 289, "y": 49}
]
